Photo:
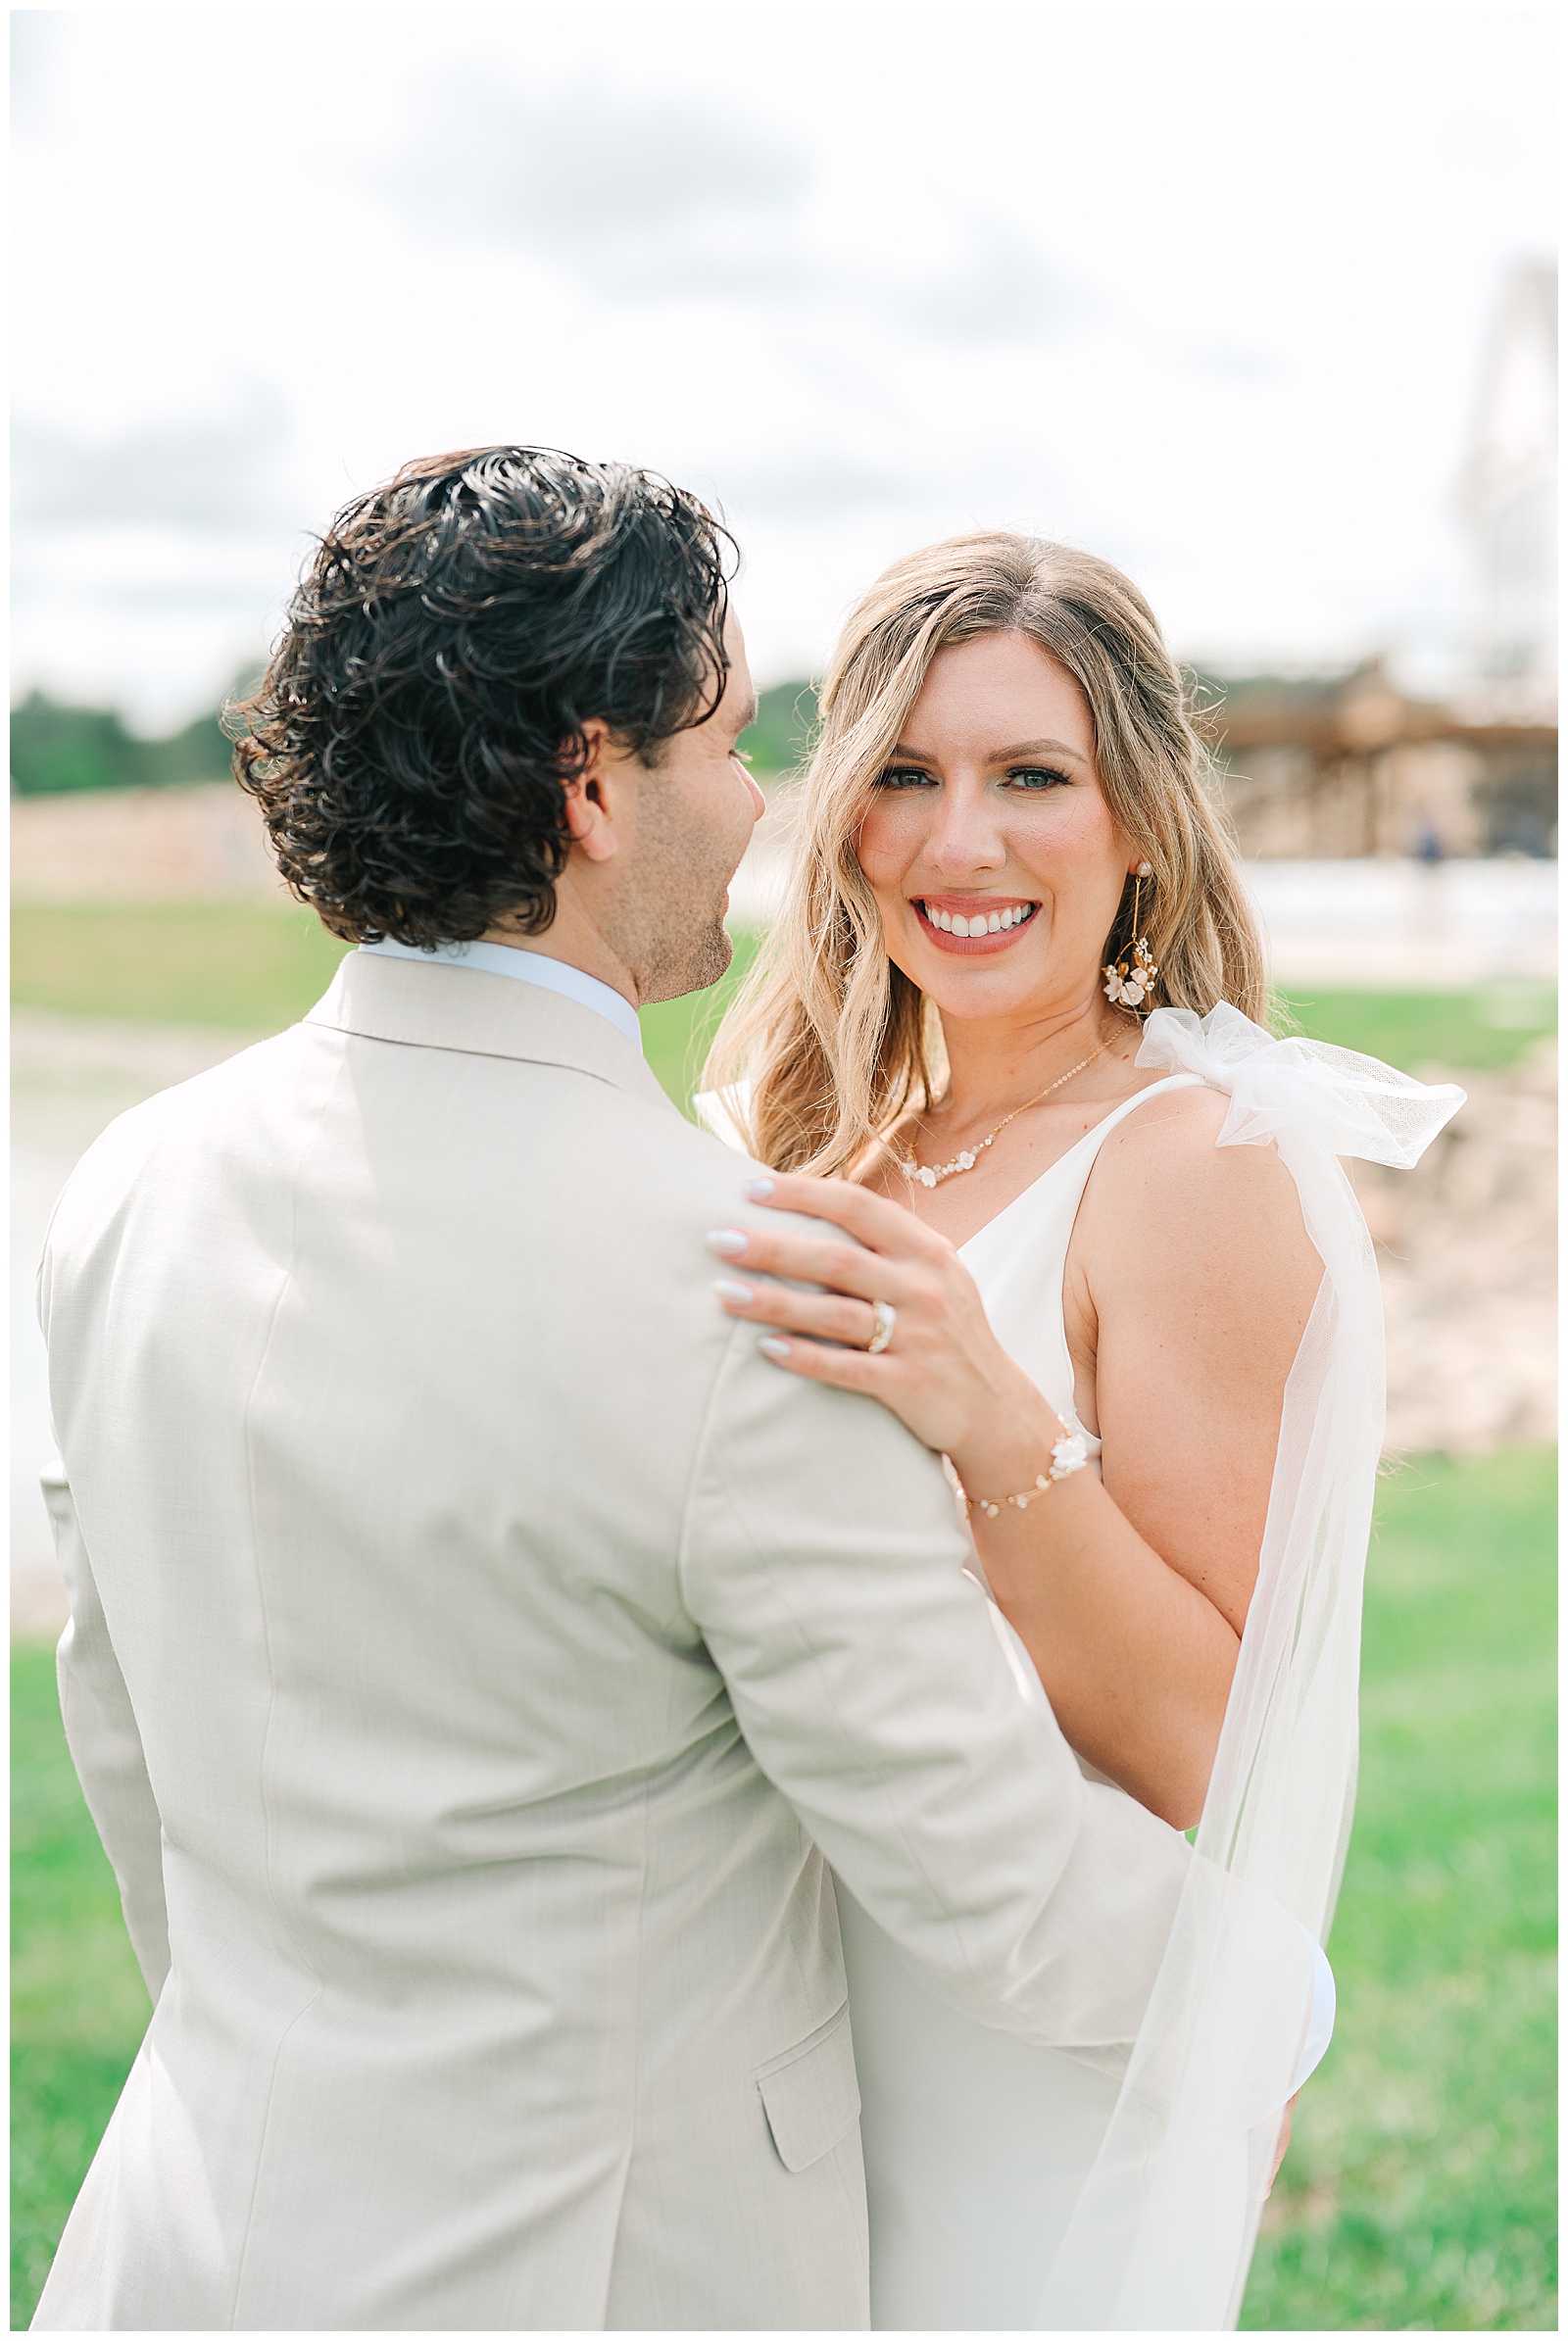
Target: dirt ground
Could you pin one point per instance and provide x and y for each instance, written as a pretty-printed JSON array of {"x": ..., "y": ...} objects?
[{"x": 1468, "y": 1252}]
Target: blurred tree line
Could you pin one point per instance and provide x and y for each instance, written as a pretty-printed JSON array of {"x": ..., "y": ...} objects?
[
  {"x": 55, "y": 748},
  {"x": 781, "y": 737}
]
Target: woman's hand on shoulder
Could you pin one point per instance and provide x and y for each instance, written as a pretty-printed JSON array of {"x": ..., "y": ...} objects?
[
  {"x": 941, "y": 1370},
  {"x": 1191, "y": 1272}
]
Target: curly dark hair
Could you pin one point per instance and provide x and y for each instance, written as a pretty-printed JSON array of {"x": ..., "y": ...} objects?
[{"x": 457, "y": 630}]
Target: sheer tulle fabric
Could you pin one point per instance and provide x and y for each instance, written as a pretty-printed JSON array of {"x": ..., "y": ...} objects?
[{"x": 1163, "y": 2232}]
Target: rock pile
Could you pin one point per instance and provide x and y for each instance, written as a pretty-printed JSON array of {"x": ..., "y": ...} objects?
[{"x": 1467, "y": 1249}]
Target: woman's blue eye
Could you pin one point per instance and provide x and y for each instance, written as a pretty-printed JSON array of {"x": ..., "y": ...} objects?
[{"x": 1029, "y": 776}]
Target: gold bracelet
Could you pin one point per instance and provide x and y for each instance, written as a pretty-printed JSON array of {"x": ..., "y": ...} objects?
[{"x": 1070, "y": 1454}]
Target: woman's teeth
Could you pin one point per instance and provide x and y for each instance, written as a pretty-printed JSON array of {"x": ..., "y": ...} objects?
[{"x": 984, "y": 922}]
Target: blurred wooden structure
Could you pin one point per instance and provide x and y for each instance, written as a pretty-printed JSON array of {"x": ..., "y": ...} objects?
[{"x": 1329, "y": 768}]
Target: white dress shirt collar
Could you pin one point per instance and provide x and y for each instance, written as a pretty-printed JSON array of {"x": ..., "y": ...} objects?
[{"x": 524, "y": 967}]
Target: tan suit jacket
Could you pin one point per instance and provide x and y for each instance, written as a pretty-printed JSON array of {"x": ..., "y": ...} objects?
[{"x": 475, "y": 1648}]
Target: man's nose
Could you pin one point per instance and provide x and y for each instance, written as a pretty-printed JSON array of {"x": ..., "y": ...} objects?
[{"x": 758, "y": 800}]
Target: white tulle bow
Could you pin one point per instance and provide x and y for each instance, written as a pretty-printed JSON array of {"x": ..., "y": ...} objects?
[{"x": 1343, "y": 1101}]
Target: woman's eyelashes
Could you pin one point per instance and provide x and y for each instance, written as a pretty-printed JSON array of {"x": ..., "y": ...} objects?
[
  {"x": 1032, "y": 779},
  {"x": 1040, "y": 776}
]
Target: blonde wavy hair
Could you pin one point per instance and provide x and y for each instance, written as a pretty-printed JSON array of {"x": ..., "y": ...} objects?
[{"x": 828, "y": 1044}]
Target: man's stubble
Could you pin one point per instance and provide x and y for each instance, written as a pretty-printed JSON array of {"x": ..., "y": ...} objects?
[{"x": 670, "y": 924}]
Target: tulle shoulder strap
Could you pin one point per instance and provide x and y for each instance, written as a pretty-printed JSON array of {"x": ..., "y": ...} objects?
[
  {"x": 1300, "y": 1088},
  {"x": 724, "y": 1112}
]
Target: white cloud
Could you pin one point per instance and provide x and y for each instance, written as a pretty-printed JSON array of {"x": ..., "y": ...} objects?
[
  {"x": 1202, "y": 289},
  {"x": 662, "y": 189},
  {"x": 211, "y": 474}
]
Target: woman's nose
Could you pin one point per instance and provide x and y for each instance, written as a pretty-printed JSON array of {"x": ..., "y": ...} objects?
[{"x": 966, "y": 836}]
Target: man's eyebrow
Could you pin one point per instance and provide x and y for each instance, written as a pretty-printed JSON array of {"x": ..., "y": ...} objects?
[
  {"x": 752, "y": 713},
  {"x": 998, "y": 756}
]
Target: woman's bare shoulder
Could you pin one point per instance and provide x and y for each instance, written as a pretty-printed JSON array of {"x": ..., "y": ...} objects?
[
  {"x": 1176, "y": 1137},
  {"x": 1165, "y": 1194},
  {"x": 1186, "y": 1118}
]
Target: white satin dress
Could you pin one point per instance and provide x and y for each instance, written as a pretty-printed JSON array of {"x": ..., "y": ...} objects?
[
  {"x": 977, "y": 2143},
  {"x": 979, "y": 2146}
]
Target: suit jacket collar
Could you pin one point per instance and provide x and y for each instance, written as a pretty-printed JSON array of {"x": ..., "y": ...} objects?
[{"x": 468, "y": 1009}]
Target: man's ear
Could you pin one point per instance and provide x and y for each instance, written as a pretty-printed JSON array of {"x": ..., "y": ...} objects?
[{"x": 593, "y": 799}]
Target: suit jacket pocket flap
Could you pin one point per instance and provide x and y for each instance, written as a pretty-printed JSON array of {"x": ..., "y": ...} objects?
[{"x": 810, "y": 2094}]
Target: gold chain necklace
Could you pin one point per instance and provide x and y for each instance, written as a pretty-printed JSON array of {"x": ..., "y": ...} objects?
[{"x": 970, "y": 1155}]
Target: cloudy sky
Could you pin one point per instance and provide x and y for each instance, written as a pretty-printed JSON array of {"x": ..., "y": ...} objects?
[{"x": 1202, "y": 289}]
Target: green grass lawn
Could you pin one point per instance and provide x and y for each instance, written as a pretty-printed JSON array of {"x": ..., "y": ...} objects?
[
  {"x": 245, "y": 966},
  {"x": 77, "y": 2004},
  {"x": 1487, "y": 1029},
  {"x": 1420, "y": 2192},
  {"x": 254, "y": 968}
]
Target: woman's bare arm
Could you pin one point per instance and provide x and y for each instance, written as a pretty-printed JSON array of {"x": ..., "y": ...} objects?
[{"x": 1190, "y": 1281}]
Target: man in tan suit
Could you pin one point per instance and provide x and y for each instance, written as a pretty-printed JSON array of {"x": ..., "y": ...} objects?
[{"x": 476, "y": 1647}]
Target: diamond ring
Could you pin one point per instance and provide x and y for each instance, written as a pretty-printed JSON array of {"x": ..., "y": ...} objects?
[{"x": 884, "y": 1317}]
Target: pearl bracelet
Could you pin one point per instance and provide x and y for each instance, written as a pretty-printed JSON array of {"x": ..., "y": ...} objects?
[{"x": 1070, "y": 1454}]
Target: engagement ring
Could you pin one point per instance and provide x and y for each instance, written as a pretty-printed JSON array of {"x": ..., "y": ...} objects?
[{"x": 886, "y": 1316}]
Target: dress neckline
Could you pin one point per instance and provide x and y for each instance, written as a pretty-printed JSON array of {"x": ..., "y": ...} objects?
[{"x": 1184, "y": 1081}]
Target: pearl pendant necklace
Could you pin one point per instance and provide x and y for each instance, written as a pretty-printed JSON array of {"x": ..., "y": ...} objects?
[{"x": 966, "y": 1160}]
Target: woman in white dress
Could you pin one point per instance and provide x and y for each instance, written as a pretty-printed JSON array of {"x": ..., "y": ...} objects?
[{"x": 1099, "y": 1254}]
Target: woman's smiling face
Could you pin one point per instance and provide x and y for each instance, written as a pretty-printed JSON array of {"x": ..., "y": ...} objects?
[{"x": 992, "y": 853}]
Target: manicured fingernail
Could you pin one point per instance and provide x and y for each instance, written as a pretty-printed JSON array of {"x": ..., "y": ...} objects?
[
  {"x": 771, "y": 1347},
  {"x": 728, "y": 1241},
  {"x": 758, "y": 1191},
  {"x": 728, "y": 1290}
]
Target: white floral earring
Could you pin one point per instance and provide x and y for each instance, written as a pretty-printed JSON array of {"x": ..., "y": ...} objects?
[{"x": 1130, "y": 980}]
